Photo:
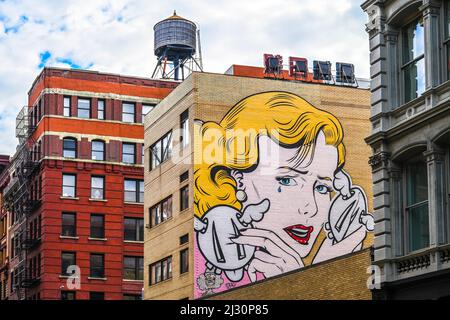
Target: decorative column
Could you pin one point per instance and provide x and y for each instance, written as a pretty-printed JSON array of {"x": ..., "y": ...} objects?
[{"x": 431, "y": 12}]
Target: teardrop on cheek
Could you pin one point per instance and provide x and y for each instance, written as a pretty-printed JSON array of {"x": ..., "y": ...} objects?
[{"x": 279, "y": 189}]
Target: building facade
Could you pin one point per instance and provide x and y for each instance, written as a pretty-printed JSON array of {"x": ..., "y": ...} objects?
[
  {"x": 410, "y": 139},
  {"x": 75, "y": 196},
  {"x": 206, "y": 182},
  {"x": 4, "y": 263}
]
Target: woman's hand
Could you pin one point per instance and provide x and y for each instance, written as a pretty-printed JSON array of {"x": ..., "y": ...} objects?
[{"x": 276, "y": 257}]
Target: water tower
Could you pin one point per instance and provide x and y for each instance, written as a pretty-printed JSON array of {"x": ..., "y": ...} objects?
[{"x": 177, "y": 47}]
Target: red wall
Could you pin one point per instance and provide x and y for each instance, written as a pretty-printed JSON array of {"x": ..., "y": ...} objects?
[{"x": 114, "y": 248}]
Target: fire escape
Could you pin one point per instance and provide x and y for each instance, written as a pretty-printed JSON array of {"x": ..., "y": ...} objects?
[{"x": 21, "y": 200}]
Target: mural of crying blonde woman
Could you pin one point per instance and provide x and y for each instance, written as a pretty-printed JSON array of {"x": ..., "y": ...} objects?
[{"x": 260, "y": 208}]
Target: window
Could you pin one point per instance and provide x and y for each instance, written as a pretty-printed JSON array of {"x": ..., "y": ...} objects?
[
  {"x": 68, "y": 295},
  {"x": 161, "y": 212},
  {"x": 184, "y": 198},
  {"x": 96, "y": 296},
  {"x": 184, "y": 239},
  {"x": 84, "y": 108},
  {"x": 128, "y": 153},
  {"x": 134, "y": 191},
  {"x": 416, "y": 208},
  {"x": 69, "y": 148},
  {"x": 69, "y": 224},
  {"x": 146, "y": 108},
  {"x": 97, "y": 226},
  {"x": 161, "y": 271},
  {"x": 67, "y": 107},
  {"x": 133, "y": 268},
  {"x": 184, "y": 177},
  {"x": 97, "y": 269},
  {"x": 184, "y": 261},
  {"x": 128, "y": 297},
  {"x": 128, "y": 112},
  {"x": 134, "y": 229},
  {"x": 101, "y": 110},
  {"x": 67, "y": 259},
  {"x": 185, "y": 135},
  {"x": 69, "y": 185},
  {"x": 143, "y": 154},
  {"x": 98, "y": 188},
  {"x": 98, "y": 150},
  {"x": 161, "y": 151},
  {"x": 413, "y": 64}
]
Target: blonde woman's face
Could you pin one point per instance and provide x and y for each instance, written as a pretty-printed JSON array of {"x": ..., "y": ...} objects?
[{"x": 299, "y": 193}]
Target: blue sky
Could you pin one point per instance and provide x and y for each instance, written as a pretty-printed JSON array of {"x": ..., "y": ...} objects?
[{"x": 117, "y": 36}]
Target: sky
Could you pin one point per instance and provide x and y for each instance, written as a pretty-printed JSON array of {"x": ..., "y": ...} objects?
[{"x": 116, "y": 36}]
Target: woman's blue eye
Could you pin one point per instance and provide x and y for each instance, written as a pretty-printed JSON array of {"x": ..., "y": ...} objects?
[
  {"x": 287, "y": 181},
  {"x": 322, "y": 189}
]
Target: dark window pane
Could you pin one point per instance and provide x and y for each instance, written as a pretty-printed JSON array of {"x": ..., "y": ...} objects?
[
  {"x": 184, "y": 239},
  {"x": 67, "y": 259},
  {"x": 67, "y": 295},
  {"x": 97, "y": 266},
  {"x": 69, "y": 225},
  {"x": 97, "y": 226},
  {"x": 184, "y": 261},
  {"x": 184, "y": 198},
  {"x": 69, "y": 148}
]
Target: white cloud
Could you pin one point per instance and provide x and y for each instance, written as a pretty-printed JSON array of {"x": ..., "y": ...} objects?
[{"x": 117, "y": 36}]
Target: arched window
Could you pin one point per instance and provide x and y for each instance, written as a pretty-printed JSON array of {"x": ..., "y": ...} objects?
[
  {"x": 69, "y": 148},
  {"x": 98, "y": 150}
]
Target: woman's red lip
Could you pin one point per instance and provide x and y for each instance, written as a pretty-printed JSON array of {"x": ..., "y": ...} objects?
[{"x": 300, "y": 233}]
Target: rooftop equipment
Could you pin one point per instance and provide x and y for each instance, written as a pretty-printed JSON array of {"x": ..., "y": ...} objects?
[
  {"x": 322, "y": 70},
  {"x": 177, "y": 41},
  {"x": 298, "y": 68},
  {"x": 345, "y": 73},
  {"x": 273, "y": 64}
]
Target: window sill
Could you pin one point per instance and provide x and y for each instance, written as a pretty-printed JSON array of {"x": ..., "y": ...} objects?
[
  {"x": 98, "y": 239},
  {"x": 69, "y": 198},
  {"x": 69, "y": 238},
  {"x": 98, "y": 279},
  {"x": 184, "y": 211},
  {"x": 160, "y": 224},
  {"x": 98, "y": 200},
  {"x": 129, "y": 280},
  {"x": 67, "y": 277},
  {"x": 134, "y": 203},
  {"x": 133, "y": 242}
]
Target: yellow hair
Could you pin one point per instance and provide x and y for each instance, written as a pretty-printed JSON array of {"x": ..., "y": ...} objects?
[{"x": 233, "y": 144}]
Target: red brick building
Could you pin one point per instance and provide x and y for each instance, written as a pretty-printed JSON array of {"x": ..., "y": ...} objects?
[{"x": 75, "y": 198}]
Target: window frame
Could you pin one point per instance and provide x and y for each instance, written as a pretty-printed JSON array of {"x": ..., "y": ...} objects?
[
  {"x": 92, "y": 229},
  {"x": 185, "y": 129},
  {"x": 103, "y": 191},
  {"x": 69, "y": 186},
  {"x": 412, "y": 61},
  {"x": 97, "y": 142},
  {"x": 169, "y": 271},
  {"x": 73, "y": 227},
  {"x": 101, "y": 110},
  {"x": 159, "y": 213},
  {"x": 138, "y": 272},
  {"x": 407, "y": 208},
  {"x": 184, "y": 191},
  {"x": 138, "y": 229},
  {"x": 68, "y": 292},
  {"x": 74, "y": 149},
  {"x": 84, "y": 109},
  {"x": 184, "y": 268},
  {"x": 67, "y": 107},
  {"x": 93, "y": 269},
  {"x": 127, "y": 154},
  {"x": 163, "y": 153},
  {"x": 150, "y": 107},
  {"x": 138, "y": 193},
  {"x": 124, "y": 114},
  {"x": 74, "y": 260}
]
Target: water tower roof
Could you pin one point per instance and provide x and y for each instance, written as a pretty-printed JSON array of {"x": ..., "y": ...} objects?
[{"x": 175, "y": 17}]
